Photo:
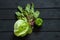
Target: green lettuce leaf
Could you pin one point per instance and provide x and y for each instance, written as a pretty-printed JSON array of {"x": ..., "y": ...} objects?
[
  {"x": 27, "y": 8},
  {"x": 20, "y": 8},
  {"x": 36, "y": 14}
]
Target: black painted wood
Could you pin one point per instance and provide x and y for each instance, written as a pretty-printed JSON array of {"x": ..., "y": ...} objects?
[
  {"x": 38, "y": 3},
  {"x": 45, "y": 36},
  {"x": 5, "y": 35},
  {"x": 41, "y": 3},
  {"x": 7, "y": 14},
  {"x": 8, "y": 3},
  {"x": 50, "y": 12},
  {"x": 7, "y": 25},
  {"x": 48, "y": 25},
  {"x": 33, "y": 36},
  {"x": 44, "y": 13}
]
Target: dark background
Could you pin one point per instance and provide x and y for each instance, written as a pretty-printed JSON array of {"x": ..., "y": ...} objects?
[{"x": 50, "y": 12}]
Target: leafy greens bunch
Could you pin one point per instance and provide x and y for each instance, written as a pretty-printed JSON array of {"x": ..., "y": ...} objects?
[{"x": 27, "y": 18}]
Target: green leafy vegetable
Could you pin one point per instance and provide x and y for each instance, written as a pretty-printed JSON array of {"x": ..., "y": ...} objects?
[
  {"x": 26, "y": 19},
  {"x": 27, "y": 8},
  {"x": 20, "y": 8},
  {"x": 38, "y": 21},
  {"x": 36, "y": 14},
  {"x": 32, "y": 8},
  {"x": 21, "y": 28}
]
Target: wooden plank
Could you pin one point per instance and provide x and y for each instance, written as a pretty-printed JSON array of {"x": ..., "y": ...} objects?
[
  {"x": 7, "y": 25},
  {"x": 38, "y": 3},
  {"x": 33, "y": 36},
  {"x": 50, "y": 13},
  {"x": 41, "y": 3},
  {"x": 48, "y": 25},
  {"x": 45, "y": 36},
  {"x": 8, "y": 3},
  {"x": 51, "y": 25},
  {"x": 5, "y": 35},
  {"x": 7, "y": 14},
  {"x": 45, "y": 14}
]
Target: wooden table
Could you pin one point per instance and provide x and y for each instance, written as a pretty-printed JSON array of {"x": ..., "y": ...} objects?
[{"x": 50, "y": 12}]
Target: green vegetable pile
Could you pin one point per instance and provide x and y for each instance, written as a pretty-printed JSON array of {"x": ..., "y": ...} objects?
[{"x": 27, "y": 18}]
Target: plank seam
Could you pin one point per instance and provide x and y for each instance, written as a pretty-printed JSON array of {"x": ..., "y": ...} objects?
[{"x": 34, "y": 8}]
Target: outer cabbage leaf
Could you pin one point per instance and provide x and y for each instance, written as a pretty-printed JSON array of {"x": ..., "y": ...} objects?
[{"x": 21, "y": 28}]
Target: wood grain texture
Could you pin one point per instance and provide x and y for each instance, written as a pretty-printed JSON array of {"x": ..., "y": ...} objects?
[
  {"x": 7, "y": 14},
  {"x": 5, "y": 35},
  {"x": 7, "y": 25},
  {"x": 33, "y": 36},
  {"x": 44, "y": 13},
  {"x": 41, "y": 3},
  {"x": 50, "y": 12},
  {"x": 38, "y": 3},
  {"x": 8, "y": 3},
  {"x": 45, "y": 36}
]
